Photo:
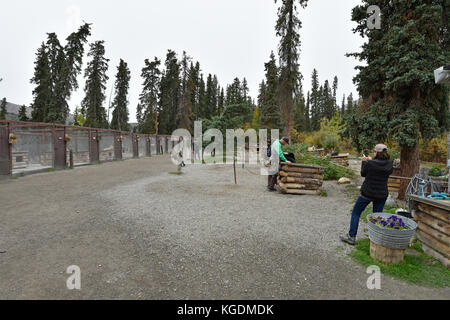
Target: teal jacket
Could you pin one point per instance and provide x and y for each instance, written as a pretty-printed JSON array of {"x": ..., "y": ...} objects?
[{"x": 277, "y": 148}]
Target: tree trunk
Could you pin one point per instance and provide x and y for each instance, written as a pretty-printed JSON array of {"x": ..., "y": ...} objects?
[{"x": 410, "y": 165}]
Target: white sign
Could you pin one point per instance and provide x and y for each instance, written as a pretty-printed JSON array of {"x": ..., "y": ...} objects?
[{"x": 441, "y": 75}]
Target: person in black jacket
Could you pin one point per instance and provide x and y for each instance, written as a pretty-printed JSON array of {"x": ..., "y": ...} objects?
[{"x": 374, "y": 189}]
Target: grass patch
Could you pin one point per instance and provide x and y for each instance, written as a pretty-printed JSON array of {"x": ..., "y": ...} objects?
[
  {"x": 418, "y": 269},
  {"x": 177, "y": 173},
  {"x": 323, "y": 193}
]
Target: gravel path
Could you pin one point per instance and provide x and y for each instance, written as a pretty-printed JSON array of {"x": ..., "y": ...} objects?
[{"x": 138, "y": 232}]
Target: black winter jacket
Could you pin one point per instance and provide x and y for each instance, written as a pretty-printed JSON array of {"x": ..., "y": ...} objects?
[{"x": 377, "y": 173}]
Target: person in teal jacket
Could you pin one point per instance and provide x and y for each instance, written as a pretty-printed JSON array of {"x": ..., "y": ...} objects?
[{"x": 276, "y": 155}]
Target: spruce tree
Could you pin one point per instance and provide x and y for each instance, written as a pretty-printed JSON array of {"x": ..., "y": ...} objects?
[
  {"x": 335, "y": 88},
  {"x": 287, "y": 28},
  {"x": 301, "y": 121},
  {"x": 211, "y": 97},
  {"x": 185, "y": 115},
  {"x": 120, "y": 102},
  {"x": 269, "y": 109},
  {"x": 23, "y": 113},
  {"x": 399, "y": 97},
  {"x": 169, "y": 95},
  {"x": 96, "y": 78},
  {"x": 42, "y": 92},
  {"x": 221, "y": 102},
  {"x": 148, "y": 106},
  {"x": 314, "y": 99},
  {"x": 55, "y": 77},
  {"x": 3, "y": 111},
  {"x": 307, "y": 115}
]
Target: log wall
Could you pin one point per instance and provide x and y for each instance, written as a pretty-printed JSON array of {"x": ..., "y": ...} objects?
[
  {"x": 301, "y": 179},
  {"x": 433, "y": 219}
]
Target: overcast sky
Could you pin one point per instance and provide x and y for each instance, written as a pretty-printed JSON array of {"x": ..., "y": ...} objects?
[{"x": 230, "y": 38}]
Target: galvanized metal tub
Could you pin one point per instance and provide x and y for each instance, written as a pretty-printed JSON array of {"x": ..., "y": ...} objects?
[{"x": 393, "y": 239}]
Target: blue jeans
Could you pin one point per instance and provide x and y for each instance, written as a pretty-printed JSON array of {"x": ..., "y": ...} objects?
[{"x": 360, "y": 206}]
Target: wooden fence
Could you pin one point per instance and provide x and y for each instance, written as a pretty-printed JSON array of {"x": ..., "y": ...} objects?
[{"x": 49, "y": 145}]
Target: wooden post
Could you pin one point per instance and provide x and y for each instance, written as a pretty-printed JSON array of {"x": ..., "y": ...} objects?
[
  {"x": 234, "y": 168},
  {"x": 167, "y": 144},
  {"x": 71, "y": 159},
  {"x": 157, "y": 145},
  {"x": 5, "y": 158}
]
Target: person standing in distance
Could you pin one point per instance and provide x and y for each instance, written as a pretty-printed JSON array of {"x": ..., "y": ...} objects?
[{"x": 276, "y": 154}]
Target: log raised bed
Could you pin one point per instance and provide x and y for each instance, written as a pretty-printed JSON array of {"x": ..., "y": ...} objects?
[
  {"x": 394, "y": 183},
  {"x": 433, "y": 219},
  {"x": 300, "y": 179},
  {"x": 341, "y": 159}
]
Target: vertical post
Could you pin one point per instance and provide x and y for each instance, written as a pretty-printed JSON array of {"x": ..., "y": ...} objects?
[
  {"x": 59, "y": 148},
  {"x": 117, "y": 146},
  {"x": 167, "y": 144},
  {"x": 135, "y": 143},
  {"x": 5, "y": 162},
  {"x": 10, "y": 147},
  {"x": 94, "y": 155},
  {"x": 158, "y": 149},
  {"x": 148, "y": 146}
]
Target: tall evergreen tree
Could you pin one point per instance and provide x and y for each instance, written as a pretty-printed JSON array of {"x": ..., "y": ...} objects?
[
  {"x": 343, "y": 106},
  {"x": 43, "y": 91},
  {"x": 185, "y": 115},
  {"x": 328, "y": 101},
  {"x": 96, "y": 78},
  {"x": 399, "y": 97},
  {"x": 308, "y": 113},
  {"x": 120, "y": 102},
  {"x": 148, "y": 106},
  {"x": 300, "y": 116},
  {"x": 169, "y": 95},
  {"x": 287, "y": 28},
  {"x": 23, "y": 113},
  {"x": 314, "y": 99},
  {"x": 3, "y": 111},
  {"x": 211, "y": 97},
  {"x": 270, "y": 114},
  {"x": 335, "y": 88},
  {"x": 221, "y": 102},
  {"x": 55, "y": 77}
]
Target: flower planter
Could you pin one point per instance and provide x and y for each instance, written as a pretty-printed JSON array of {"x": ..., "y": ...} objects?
[
  {"x": 389, "y": 245},
  {"x": 12, "y": 138}
]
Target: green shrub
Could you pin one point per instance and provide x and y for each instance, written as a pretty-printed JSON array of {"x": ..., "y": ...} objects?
[
  {"x": 436, "y": 171},
  {"x": 331, "y": 142}
]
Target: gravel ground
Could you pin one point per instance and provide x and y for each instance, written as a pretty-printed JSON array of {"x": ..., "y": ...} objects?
[{"x": 138, "y": 232}]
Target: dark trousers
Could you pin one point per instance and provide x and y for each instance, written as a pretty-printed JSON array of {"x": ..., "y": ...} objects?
[
  {"x": 272, "y": 181},
  {"x": 360, "y": 205}
]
